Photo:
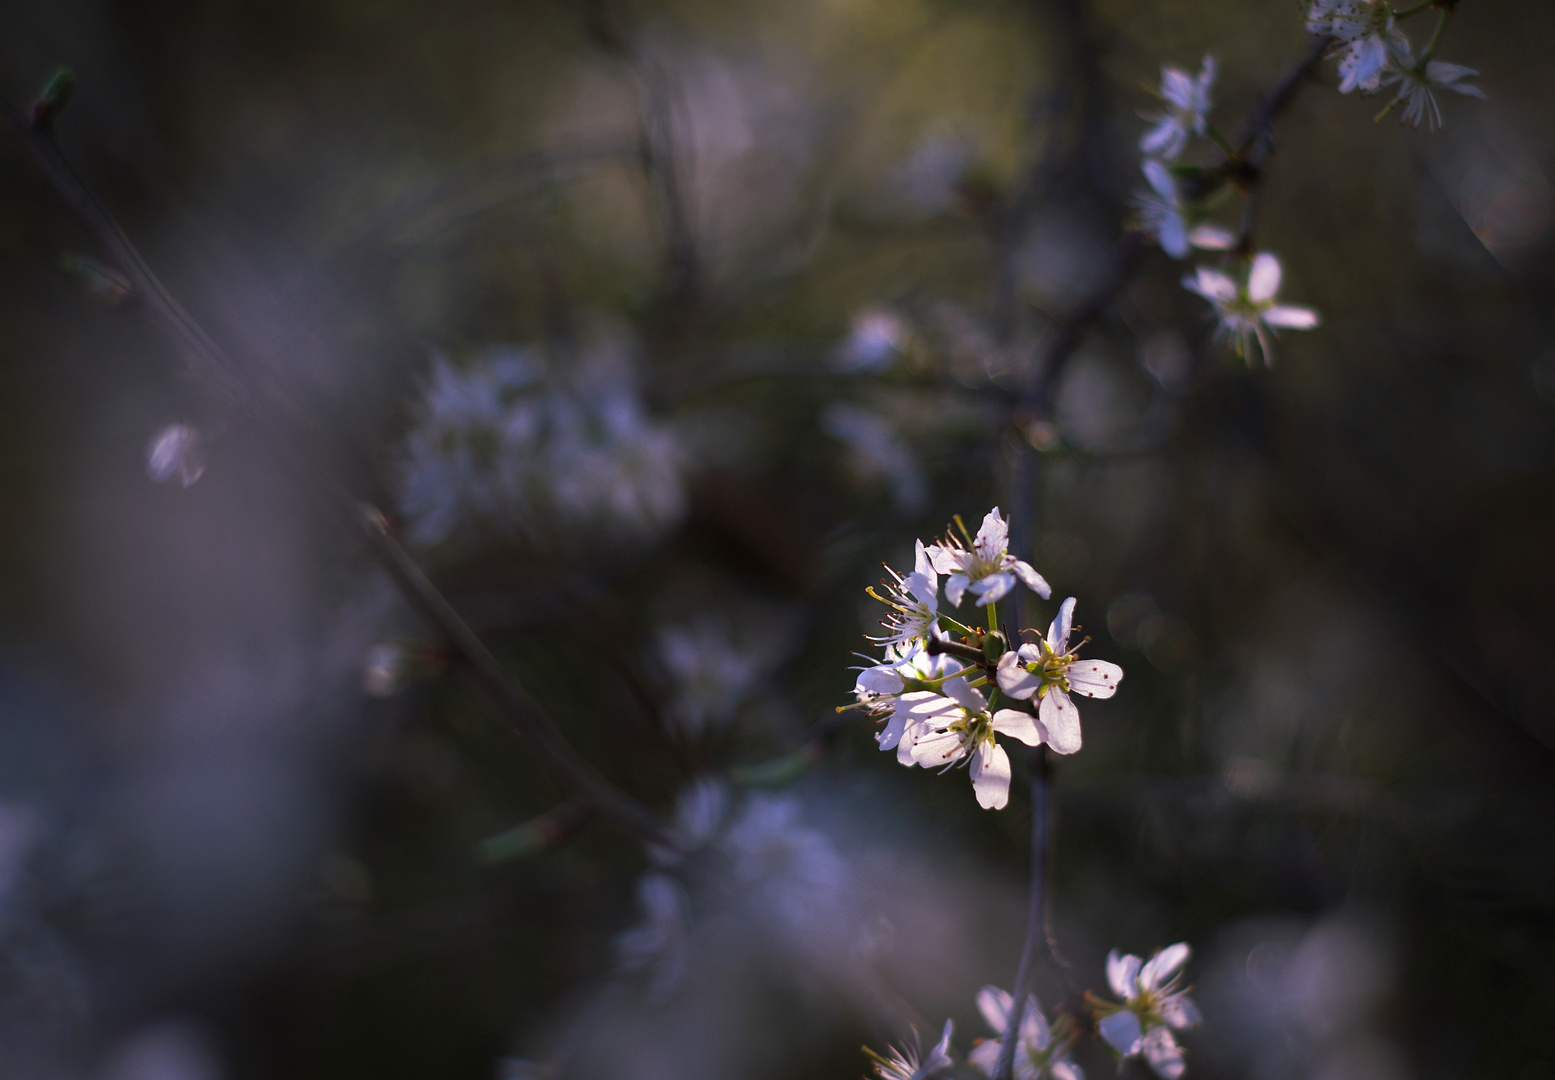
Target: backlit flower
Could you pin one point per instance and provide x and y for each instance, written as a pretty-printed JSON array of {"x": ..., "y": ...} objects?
[
  {"x": 913, "y": 600},
  {"x": 1164, "y": 216},
  {"x": 1036, "y": 1055},
  {"x": 1153, "y": 1004},
  {"x": 1247, "y": 310},
  {"x": 958, "y": 726},
  {"x": 986, "y": 569},
  {"x": 1050, "y": 671},
  {"x": 1415, "y": 88},
  {"x": 908, "y": 1063},
  {"x": 1186, "y": 113},
  {"x": 1366, "y": 35}
]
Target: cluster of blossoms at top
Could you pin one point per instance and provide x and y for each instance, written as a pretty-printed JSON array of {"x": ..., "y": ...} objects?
[
  {"x": 1374, "y": 53},
  {"x": 503, "y": 443},
  {"x": 1179, "y": 199},
  {"x": 1153, "y": 1004},
  {"x": 941, "y": 681}
]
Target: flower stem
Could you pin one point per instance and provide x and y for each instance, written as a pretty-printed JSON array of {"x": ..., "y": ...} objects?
[
  {"x": 1221, "y": 141},
  {"x": 1414, "y": 10},
  {"x": 993, "y": 617},
  {"x": 1436, "y": 39},
  {"x": 1036, "y": 915}
]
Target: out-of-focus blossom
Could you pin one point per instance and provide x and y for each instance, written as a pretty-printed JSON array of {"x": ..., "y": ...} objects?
[
  {"x": 1366, "y": 34},
  {"x": 958, "y": 726},
  {"x": 1416, "y": 86},
  {"x": 713, "y": 674},
  {"x": 876, "y": 338},
  {"x": 659, "y": 943},
  {"x": 176, "y": 454},
  {"x": 1187, "y": 110},
  {"x": 1036, "y": 1055},
  {"x": 877, "y": 451},
  {"x": 1247, "y": 310},
  {"x": 699, "y": 814},
  {"x": 790, "y": 873},
  {"x": 986, "y": 568},
  {"x": 1154, "y": 1003},
  {"x": 1163, "y": 215},
  {"x": 1051, "y": 671},
  {"x": 382, "y": 669},
  {"x": 910, "y": 1063},
  {"x": 913, "y": 600},
  {"x": 501, "y": 446}
]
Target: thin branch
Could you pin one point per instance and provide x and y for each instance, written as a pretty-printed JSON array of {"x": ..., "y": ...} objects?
[
  {"x": 278, "y": 421},
  {"x": 1036, "y": 914}
]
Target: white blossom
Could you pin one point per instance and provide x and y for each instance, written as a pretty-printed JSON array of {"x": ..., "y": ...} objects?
[
  {"x": 1036, "y": 1056},
  {"x": 986, "y": 569},
  {"x": 1366, "y": 34},
  {"x": 176, "y": 454},
  {"x": 1247, "y": 310},
  {"x": 1050, "y": 670},
  {"x": 699, "y": 814},
  {"x": 1154, "y": 1003},
  {"x": 1415, "y": 87},
  {"x": 712, "y": 673},
  {"x": 908, "y": 1063},
  {"x": 876, "y": 450},
  {"x": 790, "y": 873},
  {"x": 877, "y": 337},
  {"x": 1163, "y": 215},
  {"x": 896, "y": 688},
  {"x": 958, "y": 727},
  {"x": 913, "y": 600},
  {"x": 1186, "y": 113},
  {"x": 660, "y": 942}
]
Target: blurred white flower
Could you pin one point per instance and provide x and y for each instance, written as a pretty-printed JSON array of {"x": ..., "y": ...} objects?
[
  {"x": 699, "y": 814},
  {"x": 500, "y": 445},
  {"x": 1036, "y": 1057},
  {"x": 712, "y": 673},
  {"x": 1163, "y": 215},
  {"x": 1051, "y": 671},
  {"x": 175, "y": 453},
  {"x": 1366, "y": 34},
  {"x": 660, "y": 942},
  {"x": 876, "y": 338},
  {"x": 1153, "y": 1004},
  {"x": 913, "y": 600},
  {"x": 1415, "y": 87},
  {"x": 1186, "y": 113},
  {"x": 1247, "y": 311},
  {"x": 909, "y": 1063},
  {"x": 986, "y": 568},
  {"x": 790, "y": 872},
  {"x": 877, "y": 451},
  {"x": 382, "y": 669},
  {"x": 957, "y": 726}
]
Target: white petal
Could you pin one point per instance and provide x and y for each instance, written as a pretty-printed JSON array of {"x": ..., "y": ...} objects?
[
  {"x": 1015, "y": 680},
  {"x": 1263, "y": 280},
  {"x": 1122, "y": 1032},
  {"x": 1177, "y": 87},
  {"x": 985, "y": 1055},
  {"x": 884, "y": 679},
  {"x": 922, "y": 563},
  {"x": 1172, "y": 235},
  {"x": 1163, "y": 1054},
  {"x": 991, "y": 776},
  {"x": 1066, "y": 1070},
  {"x": 1034, "y": 1032},
  {"x": 943, "y": 559},
  {"x": 955, "y": 588},
  {"x": 1121, "y": 973},
  {"x": 995, "y": 1004},
  {"x": 939, "y": 1057},
  {"x": 1058, "y": 629},
  {"x": 993, "y": 588},
  {"x": 1212, "y": 238},
  {"x": 967, "y": 697},
  {"x": 1160, "y": 968},
  {"x": 1291, "y": 317},
  {"x": 993, "y": 537},
  {"x": 1160, "y": 179},
  {"x": 934, "y": 749},
  {"x": 1213, "y": 285},
  {"x": 1018, "y": 725},
  {"x": 1179, "y": 1011},
  {"x": 1165, "y": 139},
  {"x": 891, "y": 735},
  {"x": 1032, "y": 580},
  {"x": 1060, "y": 722},
  {"x": 1094, "y": 678}
]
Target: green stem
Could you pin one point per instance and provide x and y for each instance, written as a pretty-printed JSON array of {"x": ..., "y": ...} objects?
[
  {"x": 993, "y": 617},
  {"x": 1436, "y": 39},
  {"x": 1415, "y": 10},
  {"x": 1221, "y": 141}
]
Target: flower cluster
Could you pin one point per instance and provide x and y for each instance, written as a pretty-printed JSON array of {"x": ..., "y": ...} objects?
[
  {"x": 1041, "y": 1051},
  {"x": 1375, "y": 53},
  {"x": 930, "y": 687},
  {"x": 1154, "y": 1004}
]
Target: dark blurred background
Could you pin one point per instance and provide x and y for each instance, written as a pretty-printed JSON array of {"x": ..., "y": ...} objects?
[{"x": 748, "y": 296}]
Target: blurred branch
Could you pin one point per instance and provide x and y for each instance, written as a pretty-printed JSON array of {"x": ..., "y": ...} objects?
[
  {"x": 278, "y": 422},
  {"x": 1036, "y": 914}
]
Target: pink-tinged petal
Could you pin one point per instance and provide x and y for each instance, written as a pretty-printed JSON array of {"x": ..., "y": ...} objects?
[
  {"x": 1180, "y": 1012},
  {"x": 943, "y": 559},
  {"x": 1172, "y": 235},
  {"x": 935, "y": 749},
  {"x": 1060, "y": 722},
  {"x": 969, "y": 698},
  {"x": 1034, "y": 1031},
  {"x": 1160, "y": 968},
  {"x": 1031, "y": 579},
  {"x": 991, "y": 776},
  {"x": 939, "y": 1057},
  {"x": 1165, "y": 139},
  {"x": 985, "y": 1055},
  {"x": 1058, "y": 629},
  {"x": 955, "y": 588},
  {"x": 879, "y": 680},
  {"x": 890, "y": 737},
  {"x": 1177, "y": 87},
  {"x": 1122, "y": 1032},
  {"x": 1029, "y": 653},
  {"x": 1015, "y": 680},
  {"x": 993, "y": 588},
  {"x": 1018, "y": 725},
  {"x": 1094, "y": 678},
  {"x": 1121, "y": 973},
  {"x": 993, "y": 537},
  {"x": 922, "y": 563},
  {"x": 1066, "y": 1070},
  {"x": 1163, "y": 1053},
  {"x": 995, "y": 1004},
  {"x": 1212, "y": 285},
  {"x": 1291, "y": 317},
  {"x": 1160, "y": 179},
  {"x": 1212, "y": 238},
  {"x": 1263, "y": 280}
]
